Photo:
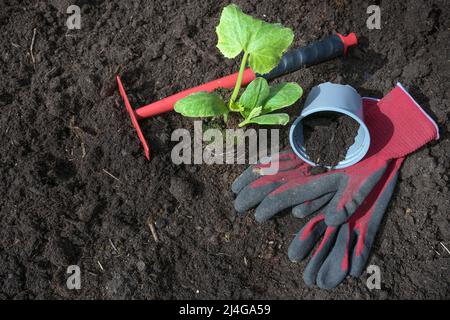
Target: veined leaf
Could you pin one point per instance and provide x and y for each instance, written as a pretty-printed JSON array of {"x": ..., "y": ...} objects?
[
  {"x": 264, "y": 42},
  {"x": 282, "y": 95},
  {"x": 201, "y": 104},
  {"x": 254, "y": 95},
  {"x": 268, "y": 45},
  {"x": 234, "y": 31},
  {"x": 271, "y": 119}
]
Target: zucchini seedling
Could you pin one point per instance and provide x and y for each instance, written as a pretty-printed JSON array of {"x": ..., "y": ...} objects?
[{"x": 263, "y": 45}]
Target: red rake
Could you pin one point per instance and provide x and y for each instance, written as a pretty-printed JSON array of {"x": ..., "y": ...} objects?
[{"x": 317, "y": 52}]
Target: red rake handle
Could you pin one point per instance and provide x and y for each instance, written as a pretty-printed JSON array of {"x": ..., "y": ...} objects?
[
  {"x": 167, "y": 104},
  {"x": 326, "y": 49}
]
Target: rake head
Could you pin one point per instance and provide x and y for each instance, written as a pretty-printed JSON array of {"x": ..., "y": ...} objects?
[{"x": 134, "y": 118}]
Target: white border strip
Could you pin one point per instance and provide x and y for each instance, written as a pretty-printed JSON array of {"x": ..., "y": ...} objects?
[{"x": 420, "y": 108}]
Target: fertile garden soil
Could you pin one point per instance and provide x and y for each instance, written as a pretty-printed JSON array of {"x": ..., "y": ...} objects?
[
  {"x": 76, "y": 188},
  {"x": 328, "y": 136}
]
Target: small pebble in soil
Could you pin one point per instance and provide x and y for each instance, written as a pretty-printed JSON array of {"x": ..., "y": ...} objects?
[
  {"x": 328, "y": 135},
  {"x": 181, "y": 189},
  {"x": 140, "y": 265}
]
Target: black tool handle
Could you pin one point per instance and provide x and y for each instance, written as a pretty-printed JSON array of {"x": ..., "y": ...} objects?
[{"x": 329, "y": 48}]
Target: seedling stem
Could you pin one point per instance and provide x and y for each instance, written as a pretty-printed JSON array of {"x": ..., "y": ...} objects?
[{"x": 239, "y": 81}]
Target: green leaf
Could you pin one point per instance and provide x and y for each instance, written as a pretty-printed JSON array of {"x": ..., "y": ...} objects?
[
  {"x": 268, "y": 45},
  {"x": 234, "y": 31},
  {"x": 201, "y": 104},
  {"x": 264, "y": 42},
  {"x": 282, "y": 95},
  {"x": 254, "y": 113},
  {"x": 271, "y": 119},
  {"x": 254, "y": 95}
]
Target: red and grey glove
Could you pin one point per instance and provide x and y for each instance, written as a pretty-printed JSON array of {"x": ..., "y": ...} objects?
[
  {"x": 344, "y": 249},
  {"x": 397, "y": 125}
]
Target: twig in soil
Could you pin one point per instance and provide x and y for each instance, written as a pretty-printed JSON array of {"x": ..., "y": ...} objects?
[
  {"x": 83, "y": 150},
  {"x": 222, "y": 254},
  {"x": 113, "y": 246},
  {"x": 79, "y": 133},
  {"x": 51, "y": 70},
  {"x": 445, "y": 248},
  {"x": 151, "y": 225},
  {"x": 111, "y": 175},
  {"x": 32, "y": 46},
  {"x": 100, "y": 265}
]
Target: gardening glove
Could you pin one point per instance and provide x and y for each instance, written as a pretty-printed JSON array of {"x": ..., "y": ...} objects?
[
  {"x": 344, "y": 249},
  {"x": 397, "y": 125}
]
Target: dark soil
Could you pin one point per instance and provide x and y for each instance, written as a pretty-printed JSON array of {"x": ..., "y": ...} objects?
[
  {"x": 327, "y": 137},
  {"x": 64, "y": 128}
]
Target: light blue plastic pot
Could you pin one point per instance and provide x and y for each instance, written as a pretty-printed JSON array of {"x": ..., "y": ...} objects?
[{"x": 330, "y": 97}]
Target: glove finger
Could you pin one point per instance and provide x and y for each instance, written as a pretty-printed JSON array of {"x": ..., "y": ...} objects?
[
  {"x": 306, "y": 238},
  {"x": 321, "y": 253},
  {"x": 350, "y": 195},
  {"x": 250, "y": 196},
  {"x": 245, "y": 178},
  {"x": 336, "y": 265},
  {"x": 281, "y": 162},
  {"x": 256, "y": 191},
  {"x": 294, "y": 192},
  {"x": 359, "y": 257},
  {"x": 308, "y": 207},
  {"x": 367, "y": 231}
]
